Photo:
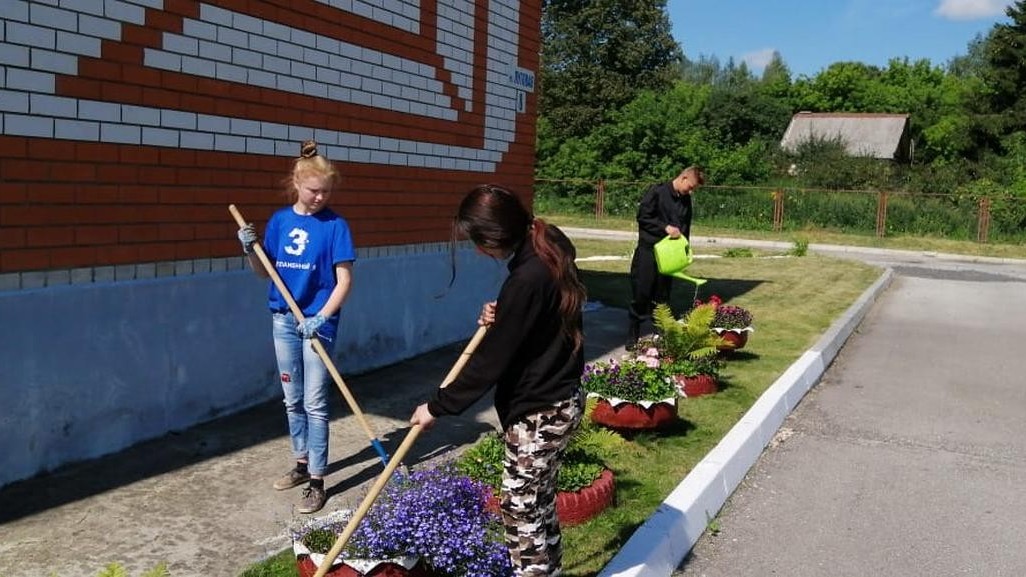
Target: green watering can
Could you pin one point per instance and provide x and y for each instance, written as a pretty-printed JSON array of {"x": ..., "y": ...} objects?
[{"x": 673, "y": 255}]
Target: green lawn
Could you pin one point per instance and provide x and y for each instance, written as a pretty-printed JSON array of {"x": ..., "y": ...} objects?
[
  {"x": 794, "y": 300},
  {"x": 818, "y": 236}
]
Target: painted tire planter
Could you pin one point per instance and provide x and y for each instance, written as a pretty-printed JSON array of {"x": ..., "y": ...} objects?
[
  {"x": 307, "y": 564},
  {"x": 630, "y": 416},
  {"x": 580, "y": 506},
  {"x": 697, "y": 385},
  {"x": 735, "y": 338},
  {"x": 574, "y": 508}
]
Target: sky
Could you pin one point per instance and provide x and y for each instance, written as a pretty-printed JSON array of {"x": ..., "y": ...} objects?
[{"x": 813, "y": 34}]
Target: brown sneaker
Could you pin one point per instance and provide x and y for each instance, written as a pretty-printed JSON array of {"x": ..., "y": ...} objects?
[
  {"x": 313, "y": 499},
  {"x": 293, "y": 478}
]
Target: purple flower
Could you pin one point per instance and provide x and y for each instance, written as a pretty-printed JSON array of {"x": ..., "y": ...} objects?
[
  {"x": 436, "y": 514},
  {"x": 632, "y": 380}
]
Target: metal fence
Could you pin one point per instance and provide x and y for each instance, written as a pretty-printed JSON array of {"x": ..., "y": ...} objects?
[{"x": 880, "y": 212}]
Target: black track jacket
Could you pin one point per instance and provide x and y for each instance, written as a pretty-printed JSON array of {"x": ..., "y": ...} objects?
[{"x": 660, "y": 206}]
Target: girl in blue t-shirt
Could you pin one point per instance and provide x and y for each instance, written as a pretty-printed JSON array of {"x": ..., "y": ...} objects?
[{"x": 312, "y": 250}]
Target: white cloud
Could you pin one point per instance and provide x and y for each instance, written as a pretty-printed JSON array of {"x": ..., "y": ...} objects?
[
  {"x": 758, "y": 60},
  {"x": 971, "y": 9}
]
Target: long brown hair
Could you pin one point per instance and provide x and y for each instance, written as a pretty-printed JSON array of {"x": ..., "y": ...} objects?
[{"x": 492, "y": 217}]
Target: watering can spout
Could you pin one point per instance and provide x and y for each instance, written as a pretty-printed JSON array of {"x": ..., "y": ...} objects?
[
  {"x": 697, "y": 281},
  {"x": 673, "y": 255}
]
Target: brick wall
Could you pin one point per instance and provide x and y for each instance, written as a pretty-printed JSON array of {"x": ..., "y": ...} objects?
[{"x": 127, "y": 126}]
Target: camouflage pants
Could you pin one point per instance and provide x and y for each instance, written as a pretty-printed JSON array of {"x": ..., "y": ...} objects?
[{"x": 534, "y": 449}]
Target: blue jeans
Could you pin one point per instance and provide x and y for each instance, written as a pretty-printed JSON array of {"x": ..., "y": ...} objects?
[{"x": 304, "y": 380}]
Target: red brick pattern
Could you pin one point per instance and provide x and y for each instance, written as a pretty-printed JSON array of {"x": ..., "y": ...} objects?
[{"x": 78, "y": 190}]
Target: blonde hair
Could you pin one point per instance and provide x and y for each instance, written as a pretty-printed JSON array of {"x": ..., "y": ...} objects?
[{"x": 309, "y": 163}]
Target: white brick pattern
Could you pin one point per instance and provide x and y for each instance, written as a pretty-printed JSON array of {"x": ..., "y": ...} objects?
[
  {"x": 40, "y": 40},
  {"x": 143, "y": 271}
]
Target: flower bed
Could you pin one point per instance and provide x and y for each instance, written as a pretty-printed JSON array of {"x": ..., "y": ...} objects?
[
  {"x": 733, "y": 339},
  {"x": 584, "y": 487},
  {"x": 731, "y": 323},
  {"x": 436, "y": 515},
  {"x": 576, "y": 507}
]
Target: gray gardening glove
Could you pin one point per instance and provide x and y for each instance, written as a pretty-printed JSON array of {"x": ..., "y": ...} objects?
[
  {"x": 248, "y": 237},
  {"x": 308, "y": 328}
]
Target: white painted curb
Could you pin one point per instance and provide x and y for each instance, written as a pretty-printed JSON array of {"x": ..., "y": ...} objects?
[{"x": 657, "y": 548}]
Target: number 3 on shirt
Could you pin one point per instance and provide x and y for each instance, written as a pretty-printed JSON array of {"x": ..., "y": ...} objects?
[{"x": 300, "y": 238}]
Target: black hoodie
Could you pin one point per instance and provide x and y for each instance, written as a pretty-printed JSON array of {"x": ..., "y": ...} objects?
[{"x": 525, "y": 352}]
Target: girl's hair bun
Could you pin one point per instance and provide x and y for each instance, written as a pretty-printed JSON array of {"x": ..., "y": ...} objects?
[{"x": 308, "y": 150}]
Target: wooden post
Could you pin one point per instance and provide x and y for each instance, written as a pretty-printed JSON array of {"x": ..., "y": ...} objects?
[
  {"x": 778, "y": 210},
  {"x": 881, "y": 214},
  {"x": 600, "y": 199},
  {"x": 983, "y": 224}
]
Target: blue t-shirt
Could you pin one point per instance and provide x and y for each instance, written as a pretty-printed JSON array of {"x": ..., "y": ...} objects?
[{"x": 305, "y": 250}]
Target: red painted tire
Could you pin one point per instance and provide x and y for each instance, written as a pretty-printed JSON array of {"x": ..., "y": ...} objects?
[
  {"x": 633, "y": 417},
  {"x": 698, "y": 385},
  {"x": 307, "y": 568},
  {"x": 734, "y": 340},
  {"x": 579, "y": 506}
]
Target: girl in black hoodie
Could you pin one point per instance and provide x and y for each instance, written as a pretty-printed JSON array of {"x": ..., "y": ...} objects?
[{"x": 533, "y": 355}]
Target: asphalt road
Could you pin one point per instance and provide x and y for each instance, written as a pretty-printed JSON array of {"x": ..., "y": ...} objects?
[{"x": 908, "y": 458}]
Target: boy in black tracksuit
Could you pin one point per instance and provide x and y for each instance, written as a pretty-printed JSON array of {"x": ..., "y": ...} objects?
[{"x": 665, "y": 210}]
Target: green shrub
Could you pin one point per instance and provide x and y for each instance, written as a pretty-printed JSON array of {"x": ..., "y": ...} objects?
[
  {"x": 582, "y": 461},
  {"x": 320, "y": 540},
  {"x": 483, "y": 460}
]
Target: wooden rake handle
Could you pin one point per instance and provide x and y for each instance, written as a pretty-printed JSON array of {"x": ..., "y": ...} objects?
[
  {"x": 379, "y": 484},
  {"x": 316, "y": 343}
]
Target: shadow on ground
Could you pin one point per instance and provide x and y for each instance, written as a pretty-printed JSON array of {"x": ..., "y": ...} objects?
[{"x": 256, "y": 425}]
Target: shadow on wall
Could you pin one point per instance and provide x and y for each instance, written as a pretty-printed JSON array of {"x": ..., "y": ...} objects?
[{"x": 114, "y": 364}]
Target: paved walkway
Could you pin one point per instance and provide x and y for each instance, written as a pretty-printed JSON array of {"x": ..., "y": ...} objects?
[{"x": 201, "y": 499}]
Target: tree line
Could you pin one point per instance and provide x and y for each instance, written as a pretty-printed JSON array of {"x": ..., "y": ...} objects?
[{"x": 620, "y": 101}]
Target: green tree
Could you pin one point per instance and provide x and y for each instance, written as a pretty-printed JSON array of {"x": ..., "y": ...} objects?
[
  {"x": 703, "y": 71},
  {"x": 973, "y": 63},
  {"x": 597, "y": 55},
  {"x": 1005, "y": 77},
  {"x": 776, "y": 79},
  {"x": 741, "y": 112},
  {"x": 841, "y": 87}
]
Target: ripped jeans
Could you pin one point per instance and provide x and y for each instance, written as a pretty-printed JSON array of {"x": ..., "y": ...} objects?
[{"x": 304, "y": 380}]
